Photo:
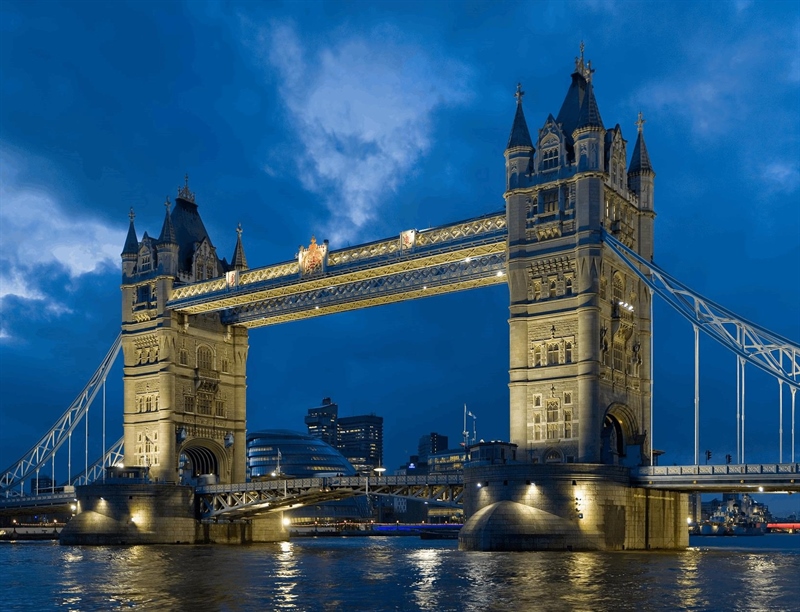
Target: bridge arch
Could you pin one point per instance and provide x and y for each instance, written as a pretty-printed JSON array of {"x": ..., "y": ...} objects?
[
  {"x": 202, "y": 457},
  {"x": 620, "y": 429}
]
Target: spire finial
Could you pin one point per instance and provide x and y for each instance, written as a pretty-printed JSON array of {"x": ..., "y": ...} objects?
[
  {"x": 239, "y": 230},
  {"x": 183, "y": 192},
  {"x": 131, "y": 215},
  {"x": 519, "y": 93},
  {"x": 583, "y": 67},
  {"x": 640, "y": 123}
]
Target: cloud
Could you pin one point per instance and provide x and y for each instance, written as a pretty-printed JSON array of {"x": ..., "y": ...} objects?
[
  {"x": 41, "y": 243},
  {"x": 362, "y": 109},
  {"x": 781, "y": 176}
]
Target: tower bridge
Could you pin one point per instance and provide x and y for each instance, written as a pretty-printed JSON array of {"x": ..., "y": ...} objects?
[{"x": 574, "y": 245}]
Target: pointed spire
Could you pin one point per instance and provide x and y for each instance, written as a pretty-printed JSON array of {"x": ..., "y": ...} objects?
[
  {"x": 589, "y": 115},
  {"x": 167, "y": 230},
  {"x": 640, "y": 161},
  {"x": 239, "y": 260},
  {"x": 520, "y": 137},
  {"x": 582, "y": 67},
  {"x": 131, "y": 242}
]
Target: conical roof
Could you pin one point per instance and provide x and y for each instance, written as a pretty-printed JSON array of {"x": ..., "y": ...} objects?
[
  {"x": 589, "y": 115},
  {"x": 131, "y": 242},
  {"x": 167, "y": 230},
  {"x": 239, "y": 260},
  {"x": 640, "y": 160},
  {"x": 520, "y": 136}
]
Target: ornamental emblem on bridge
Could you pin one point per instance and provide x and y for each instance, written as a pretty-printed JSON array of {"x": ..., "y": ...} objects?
[
  {"x": 312, "y": 259},
  {"x": 407, "y": 239}
]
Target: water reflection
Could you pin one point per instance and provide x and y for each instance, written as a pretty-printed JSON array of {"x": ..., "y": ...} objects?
[{"x": 428, "y": 564}]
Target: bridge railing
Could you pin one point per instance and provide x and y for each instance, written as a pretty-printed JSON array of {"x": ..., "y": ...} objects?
[
  {"x": 719, "y": 470},
  {"x": 333, "y": 481}
]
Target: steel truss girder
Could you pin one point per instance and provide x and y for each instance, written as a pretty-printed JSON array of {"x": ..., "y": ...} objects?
[
  {"x": 257, "y": 498},
  {"x": 114, "y": 455},
  {"x": 759, "y": 346},
  {"x": 58, "y": 433},
  {"x": 282, "y": 287},
  {"x": 769, "y": 477},
  {"x": 457, "y": 271}
]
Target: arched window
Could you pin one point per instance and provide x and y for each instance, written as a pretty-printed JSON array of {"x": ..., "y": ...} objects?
[
  {"x": 537, "y": 356},
  {"x": 568, "y": 352},
  {"x": 552, "y": 288},
  {"x": 552, "y": 354},
  {"x": 617, "y": 289},
  {"x": 204, "y": 358},
  {"x": 568, "y": 286}
]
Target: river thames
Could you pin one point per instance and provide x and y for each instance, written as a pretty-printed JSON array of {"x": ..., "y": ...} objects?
[{"x": 400, "y": 573}]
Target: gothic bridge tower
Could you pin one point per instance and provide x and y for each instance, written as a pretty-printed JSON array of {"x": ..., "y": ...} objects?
[
  {"x": 184, "y": 376},
  {"x": 579, "y": 321}
]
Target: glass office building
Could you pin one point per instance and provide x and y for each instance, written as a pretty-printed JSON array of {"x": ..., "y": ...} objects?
[{"x": 301, "y": 455}]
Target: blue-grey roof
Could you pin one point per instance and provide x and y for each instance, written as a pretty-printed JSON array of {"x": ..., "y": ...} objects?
[
  {"x": 189, "y": 230},
  {"x": 640, "y": 161},
  {"x": 131, "y": 242},
  {"x": 519, "y": 137},
  {"x": 167, "y": 231}
]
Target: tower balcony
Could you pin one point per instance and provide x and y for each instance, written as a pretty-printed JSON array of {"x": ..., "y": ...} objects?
[{"x": 206, "y": 380}]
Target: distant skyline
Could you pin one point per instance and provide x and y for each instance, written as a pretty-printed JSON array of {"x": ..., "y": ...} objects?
[{"x": 352, "y": 122}]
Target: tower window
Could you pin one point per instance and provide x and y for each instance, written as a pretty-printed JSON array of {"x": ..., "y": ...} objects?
[
  {"x": 537, "y": 356},
  {"x": 568, "y": 352},
  {"x": 188, "y": 403},
  {"x": 567, "y": 423},
  {"x": 552, "y": 354},
  {"x": 568, "y": 286},
  {"x": 550, "y": 158},
  {"x": 552, "y": 411},
  {"x": 617, "y": 289},
  {"x": 204, "y": 358},
  {"x": 552, "y": 288},
  {"x": 550, "y": 201},
  {"x": 619, "y": 352}
]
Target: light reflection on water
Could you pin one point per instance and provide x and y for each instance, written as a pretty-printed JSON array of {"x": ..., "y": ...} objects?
[{"x": 401, "y": 573}]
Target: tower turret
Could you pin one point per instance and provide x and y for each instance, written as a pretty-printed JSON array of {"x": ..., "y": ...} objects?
[
  {"x": 239, "y": 261},
  {"x": 519, "y": 166},
  {"x": 641, "y": 180},
  {"x": 589, "y": 133},
  {"x": 167, "y": 246},
  {"x": 131, "y": 249}
]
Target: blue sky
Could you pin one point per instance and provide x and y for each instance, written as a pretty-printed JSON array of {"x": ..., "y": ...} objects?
[{"x": 354, "y": 121}]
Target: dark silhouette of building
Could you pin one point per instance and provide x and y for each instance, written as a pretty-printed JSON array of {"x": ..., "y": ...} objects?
[
  {"x": 361, "y": 441},
  {"x": 322, "y": 422},
  {"x": 430, "y": 444}
]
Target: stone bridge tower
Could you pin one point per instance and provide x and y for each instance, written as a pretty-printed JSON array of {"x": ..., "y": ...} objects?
[
  {"x": 184, "y": 376},
  {"x": 579, "y": 320}
]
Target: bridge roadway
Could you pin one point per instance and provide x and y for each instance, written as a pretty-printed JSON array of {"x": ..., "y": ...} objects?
[
  {"x": 255, "y": 498},
  {"x": 462, "y": 255}
]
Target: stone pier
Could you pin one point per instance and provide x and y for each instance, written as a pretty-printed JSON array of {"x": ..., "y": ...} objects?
[{"x": 567, "y": 507}]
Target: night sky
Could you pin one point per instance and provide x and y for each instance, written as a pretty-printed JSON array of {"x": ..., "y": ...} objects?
[{"x": 352, "y": 122}]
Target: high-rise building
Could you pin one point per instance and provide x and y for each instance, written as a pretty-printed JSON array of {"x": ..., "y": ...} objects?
[
  {"x": 322, "y": 422},
  {"x": 361, "y": 441},
  {"x": 430, "y": 444}
]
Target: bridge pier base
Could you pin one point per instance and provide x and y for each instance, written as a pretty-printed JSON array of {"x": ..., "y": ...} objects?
[
  {"x": 146, "y": 513},
  {"x": 567, "y": 507}
]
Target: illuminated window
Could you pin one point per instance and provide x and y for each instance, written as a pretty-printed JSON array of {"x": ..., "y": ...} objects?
[
  {"x": 619, "y": 356},
  {"x": 550, "y": 201},
  {"x": 552, "y": 411},
  {"x": 617, "y": 289},
  {"x": 204, "y": 358},
  {"x": 552, "y": 354},
  {"x": 550, "y": 158}
]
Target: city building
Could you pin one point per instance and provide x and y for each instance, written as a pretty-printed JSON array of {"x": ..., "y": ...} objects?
[
  {"x": 291, "y": 453},
  {"x": 430, "y": 444},
  {"x": 361, "y": 441},
  {"x": 448, "y": 461},
  {"x": 322, "y": 422}
]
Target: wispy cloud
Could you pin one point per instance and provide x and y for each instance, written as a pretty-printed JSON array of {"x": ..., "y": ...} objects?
[
  {"x": 362, "y": 109},
  {"x": 41, "y": 243}
]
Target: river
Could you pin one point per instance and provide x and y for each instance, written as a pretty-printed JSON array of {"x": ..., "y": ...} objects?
[{"x": 400, "y": 573}]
